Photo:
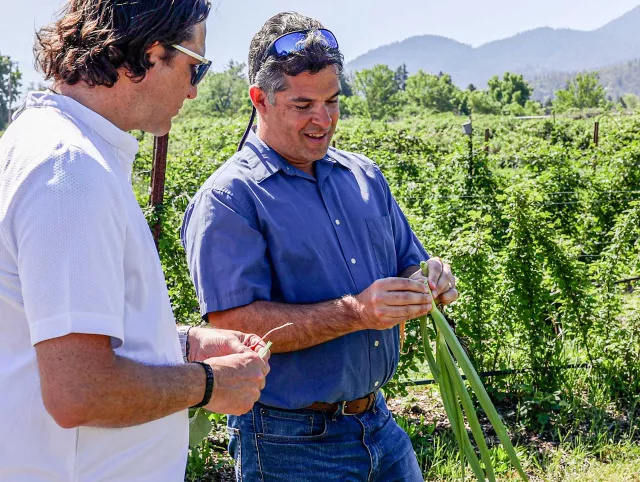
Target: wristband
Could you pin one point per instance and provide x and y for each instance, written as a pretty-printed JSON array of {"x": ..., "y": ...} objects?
[{"x": 209, "y": 389}]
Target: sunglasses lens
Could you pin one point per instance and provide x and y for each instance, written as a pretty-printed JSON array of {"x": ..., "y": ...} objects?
[
  {"x": 199, "y": 73},
  {"x": 331, "y": 40},
  {"x": 295, "y": 41},
  {"x": 290, "y": 43}
]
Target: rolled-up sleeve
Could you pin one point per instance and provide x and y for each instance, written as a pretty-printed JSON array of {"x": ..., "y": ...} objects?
[
  {"x": 409, "y": 249},
  {"x": 226, "y": 252}
]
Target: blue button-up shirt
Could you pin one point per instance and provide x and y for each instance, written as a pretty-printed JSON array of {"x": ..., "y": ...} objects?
[{"x": 261, "y": 229}]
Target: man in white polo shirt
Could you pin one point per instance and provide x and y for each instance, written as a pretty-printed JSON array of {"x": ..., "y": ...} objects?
[{"x": 92, "y": 381}]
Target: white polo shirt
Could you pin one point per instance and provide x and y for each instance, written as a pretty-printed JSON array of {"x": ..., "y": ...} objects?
[{"x": 77, "y": 256}]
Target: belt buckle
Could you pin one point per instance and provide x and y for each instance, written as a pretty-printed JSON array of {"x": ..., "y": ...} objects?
[{"x": 343, "y": 405}]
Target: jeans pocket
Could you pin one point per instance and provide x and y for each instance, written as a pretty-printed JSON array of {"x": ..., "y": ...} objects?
[
  {"x": 381, "y": 234},
  {"x": 289, "y": 425}
]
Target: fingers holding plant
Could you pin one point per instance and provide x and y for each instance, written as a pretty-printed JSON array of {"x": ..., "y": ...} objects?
[
  {"x": 238, "y": 380},
  {"x": 390, "y": 301},
  {"x": 441, "y": 281}
]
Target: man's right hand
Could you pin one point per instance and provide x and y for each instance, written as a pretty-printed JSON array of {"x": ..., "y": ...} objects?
[
  {"x": 238, "y": 380},
  {"x": 390, "y": 301}
]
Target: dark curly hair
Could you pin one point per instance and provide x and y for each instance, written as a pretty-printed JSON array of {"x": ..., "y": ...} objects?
[{"x": 92, "y": 39}]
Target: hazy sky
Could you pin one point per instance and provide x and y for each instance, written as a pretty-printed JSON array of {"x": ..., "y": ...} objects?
[{"x": 359, "y": 25}]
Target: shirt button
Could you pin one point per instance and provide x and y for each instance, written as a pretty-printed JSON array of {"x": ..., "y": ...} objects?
[
  {"x": 338, "y": 222},
  {"x": 377, "y": 343},
  {"x": 376, "y": 384},
  {"x": 353, "y": 260}
]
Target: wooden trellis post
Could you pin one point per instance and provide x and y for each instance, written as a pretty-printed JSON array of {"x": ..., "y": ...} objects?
[{"x": 158, "y": 172}]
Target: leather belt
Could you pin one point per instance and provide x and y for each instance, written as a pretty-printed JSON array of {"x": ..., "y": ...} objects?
[{"x": 352, "y": 407}]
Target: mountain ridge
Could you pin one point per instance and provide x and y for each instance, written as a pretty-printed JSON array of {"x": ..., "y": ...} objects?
[{"x": 534, "y": 52}]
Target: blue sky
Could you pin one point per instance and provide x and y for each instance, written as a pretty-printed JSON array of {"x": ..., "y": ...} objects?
[{"x": 360, "y": 25}]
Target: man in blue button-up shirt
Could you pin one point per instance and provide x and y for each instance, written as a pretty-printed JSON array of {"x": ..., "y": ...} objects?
[{"x": 291, "y": 230}]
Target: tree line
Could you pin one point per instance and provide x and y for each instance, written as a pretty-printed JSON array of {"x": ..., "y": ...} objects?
[{"x": 382, "y": 93}]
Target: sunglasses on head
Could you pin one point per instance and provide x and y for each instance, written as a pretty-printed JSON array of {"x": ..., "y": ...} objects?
[
  {"x": 295, "y": 42},
  {"x": 197, "y": 71}
]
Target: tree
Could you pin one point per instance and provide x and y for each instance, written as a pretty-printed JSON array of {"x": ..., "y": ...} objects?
[
  {"x": 631, "y": 101},
  {"x": 511, "y": 89},
  {"x": 9, "y": 88},
  {"x": 380, "y": 90},
  {"x": 583, "y": 92},
  {"x": 401, "y": 77},
  {"x": 221, "y": 94},
  {"x": 434, "y": 92},
  {"x": 345, "y": 84},
  {"x": 482, "y": 102}
]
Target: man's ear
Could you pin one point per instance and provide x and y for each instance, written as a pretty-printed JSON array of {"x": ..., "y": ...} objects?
[
  {"x": 258, "y": 99},
  {"x": 156, "y": 53}
]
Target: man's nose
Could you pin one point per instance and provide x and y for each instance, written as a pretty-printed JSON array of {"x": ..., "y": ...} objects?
[
  {"x": 322, "y": 117},
  {"x": 193, "y": 92}
]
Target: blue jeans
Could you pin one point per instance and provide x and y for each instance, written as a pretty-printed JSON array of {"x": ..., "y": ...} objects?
[{"x": 271, "y": 444}]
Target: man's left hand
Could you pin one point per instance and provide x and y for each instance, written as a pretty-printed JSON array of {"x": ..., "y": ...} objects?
[
  {"x": 207, "y": 343},
  {"x": 441, "y": 281}
]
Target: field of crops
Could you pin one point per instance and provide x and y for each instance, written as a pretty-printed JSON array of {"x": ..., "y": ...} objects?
[{"x": 540, "y": 226}]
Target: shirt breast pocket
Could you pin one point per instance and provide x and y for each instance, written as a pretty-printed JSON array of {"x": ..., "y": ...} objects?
[{"x": 384, "y": 248}]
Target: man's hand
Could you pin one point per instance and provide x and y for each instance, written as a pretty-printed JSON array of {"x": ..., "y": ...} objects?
[
  {"x": 238, "y": 380},
  {"x": 441, "y": 281},
  {"x": 390, "y": 301},
  {"x": 207, "y": 343}
]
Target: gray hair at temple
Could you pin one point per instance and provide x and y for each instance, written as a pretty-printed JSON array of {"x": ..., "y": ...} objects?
[{"x": 270, "y": 76}]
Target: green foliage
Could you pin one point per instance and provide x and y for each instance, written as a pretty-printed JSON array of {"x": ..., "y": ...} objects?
[
  {"x": 221, "y": 95},
  {"x": 511, "y": 89},
  {"x": 346, "y": 89},
  {"x": 402, "y": 74},
  {"x": 537, "y": 224},
  {"x": 379, "y": 87},
  {"x": 482, "y": 102},
  {"x": 9, "y": 88},
  {"x": 583, "y": 92},
  {"x": 433, "y": 92},
  {"x": 630, "y": 101}
]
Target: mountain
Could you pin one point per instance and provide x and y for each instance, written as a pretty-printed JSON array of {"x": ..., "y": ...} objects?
[
  {"x": 617, "y": 80},
  {"x": 532, "y": 53}
]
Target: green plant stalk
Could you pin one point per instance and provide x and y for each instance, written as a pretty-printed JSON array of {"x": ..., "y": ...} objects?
[
  {"x": 435, "y": 371},
  {"x": 472, "y": 417},
  {"x": 450, "y": 399},
  {"x": 453, "y": 344},
  {"x": 448, "y": 402},
  {"x": 263, "y": 351},
  {"x": 453, "y": 411}
]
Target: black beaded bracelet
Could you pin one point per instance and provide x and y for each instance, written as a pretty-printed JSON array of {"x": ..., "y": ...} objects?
[{"x": 209, "y": 390}]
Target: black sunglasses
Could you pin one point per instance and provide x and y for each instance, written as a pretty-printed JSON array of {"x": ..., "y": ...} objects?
[{"x": 197, "y": 71}]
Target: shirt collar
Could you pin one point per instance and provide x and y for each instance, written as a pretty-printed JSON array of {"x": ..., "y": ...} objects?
[
  {"x": 126, "y": 145},
  {"x": 267, "y": 161}
]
